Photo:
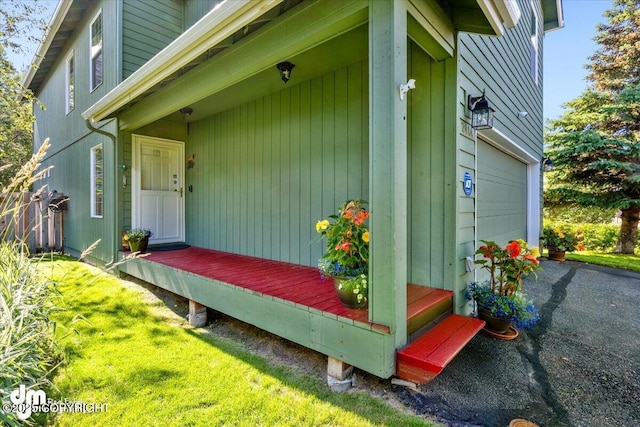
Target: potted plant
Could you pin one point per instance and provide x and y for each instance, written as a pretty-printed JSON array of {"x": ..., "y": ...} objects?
[
  {"x": 559, "y": 241},
  {"x": 501, "y": 302},
  {"x": 138, "y": 239},
  {"x": 346, "y": 259}
]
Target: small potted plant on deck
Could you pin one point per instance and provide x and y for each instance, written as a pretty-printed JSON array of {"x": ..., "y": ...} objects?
[
  {"x": 346, "y": 259},
  {"x": 138, "y": 239},
  {"x": 501, "y": 302},
  {"x": 558, "y": 241}
]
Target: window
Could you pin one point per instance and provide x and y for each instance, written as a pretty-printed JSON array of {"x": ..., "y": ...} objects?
[
  {"x": 97, "y": 181},
  {"x": 534, "y": 44},
  {"x": 96, "y": 52},
  {"x": 70, "y": 83}
]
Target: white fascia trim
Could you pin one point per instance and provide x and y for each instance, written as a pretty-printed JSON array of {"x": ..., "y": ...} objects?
[
  {"x": 504, "y": 143},
  {"x": 499, "y": 12},
  {"x": 509, "y": 11},
  {"x": 52, "y": 29},
  {"x": 214, "y": 27},
  {"x": 488, "y": 7}
]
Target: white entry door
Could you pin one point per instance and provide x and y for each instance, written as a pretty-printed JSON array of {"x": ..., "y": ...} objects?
[{"x": 157, "y": 188}]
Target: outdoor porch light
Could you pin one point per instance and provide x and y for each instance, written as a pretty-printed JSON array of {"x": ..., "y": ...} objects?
[
  {"x": 481, "y": 112},
  {"x": 547, "y": 164},
  {"x": 285, "y": 70},
  {"x": 186, "y": 112}
]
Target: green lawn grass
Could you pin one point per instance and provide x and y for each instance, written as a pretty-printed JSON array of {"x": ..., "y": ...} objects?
[
  {"x": 151, "y": 369},
  {"x": 627, "y": 262}
]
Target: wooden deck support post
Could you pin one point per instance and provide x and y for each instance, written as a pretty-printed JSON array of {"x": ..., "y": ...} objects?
[
  {"x": 339, "y": 375},
  {"x": 197, "y": 314}
]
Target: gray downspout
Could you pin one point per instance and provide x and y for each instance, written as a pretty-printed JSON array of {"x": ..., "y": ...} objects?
[{"x": 114, "y": 247}]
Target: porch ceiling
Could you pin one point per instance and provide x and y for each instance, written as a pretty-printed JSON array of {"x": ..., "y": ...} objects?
[
  {"x": 221, "y": 28},
  {"x": 290, "y": 37}
]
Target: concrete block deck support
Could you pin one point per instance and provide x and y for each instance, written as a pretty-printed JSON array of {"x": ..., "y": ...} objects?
[
  {"x": 197, "y": 314},
  {"x": 339, "y": 375}
]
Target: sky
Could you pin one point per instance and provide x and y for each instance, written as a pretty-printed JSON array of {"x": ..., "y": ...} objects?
[{"x": 565, "y": 53}]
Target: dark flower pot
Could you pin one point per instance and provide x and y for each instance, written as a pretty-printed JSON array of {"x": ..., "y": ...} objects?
[
  {"x": 556, "y": 255},
  {"x": 346, "y": 295},
  {"x": 140, "y": 245},
  {"x": 493, "y": 323}
]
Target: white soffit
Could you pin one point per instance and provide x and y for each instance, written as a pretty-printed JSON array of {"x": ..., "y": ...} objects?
[{"x": 54, "y": 25}]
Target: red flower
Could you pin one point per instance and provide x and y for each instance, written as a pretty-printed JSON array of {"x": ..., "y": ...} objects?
[{"x": 514, "y": 249}]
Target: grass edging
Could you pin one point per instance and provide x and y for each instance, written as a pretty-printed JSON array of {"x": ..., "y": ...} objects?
[{"x": 606, "y": 259}]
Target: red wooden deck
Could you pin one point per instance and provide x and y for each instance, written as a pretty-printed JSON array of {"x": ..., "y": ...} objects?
[{"x": 295, "y": 283}]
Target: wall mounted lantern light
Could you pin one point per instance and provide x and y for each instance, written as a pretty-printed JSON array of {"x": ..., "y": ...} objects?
[
  {"x": 481, "y": 112},
  {"x": 285, "y": 70},
  {"x": 547, "y": 164}
]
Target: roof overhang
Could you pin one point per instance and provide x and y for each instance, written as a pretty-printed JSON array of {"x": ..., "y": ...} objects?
[
  {"x": 500, "y": 13},
  {"x": 62, "y": 24},
  {"x": 219, "y": 24},
  {"x": 553, "y": 14},
  {"x": 488, "y": 17}
]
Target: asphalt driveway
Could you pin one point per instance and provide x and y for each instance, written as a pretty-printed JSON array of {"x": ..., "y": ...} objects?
[{"x": 579, "y": 366}]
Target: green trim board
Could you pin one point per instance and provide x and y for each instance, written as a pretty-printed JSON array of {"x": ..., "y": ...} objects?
[{"x": 339, "y": 338}]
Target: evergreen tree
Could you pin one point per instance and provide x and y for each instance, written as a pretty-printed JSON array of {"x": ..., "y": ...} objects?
[
  {"x": 595, "y": 145},
  {"x": 616, "y": 64}
]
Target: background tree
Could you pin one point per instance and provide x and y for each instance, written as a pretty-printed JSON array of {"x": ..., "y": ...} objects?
[
  {"x": 20, "y": 24},
  {"x": 596, "y": 152},
  {"x": 595, "y": 145},
  {"x": 616, "y": 64}
]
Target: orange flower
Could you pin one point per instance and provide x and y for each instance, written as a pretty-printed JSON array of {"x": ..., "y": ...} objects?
[{"x": 344, "y": 246}]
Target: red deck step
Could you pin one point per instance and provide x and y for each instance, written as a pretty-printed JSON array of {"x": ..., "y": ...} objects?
[
  {"x": 424, "y": 306},
  {"x": 427, "y": 356}
]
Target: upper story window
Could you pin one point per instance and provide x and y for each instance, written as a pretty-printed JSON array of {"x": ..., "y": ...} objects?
[
  {"x": 97, "y": 181},
  {"x": 96, "y": 51},
  {"x": 535, "y": 41},
  {"x": 70, "y": 83}
]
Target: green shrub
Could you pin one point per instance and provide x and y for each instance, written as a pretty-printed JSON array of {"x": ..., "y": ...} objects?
[
  {"x": 28, "y": 350},
  {"x": 597, "y": 237}
]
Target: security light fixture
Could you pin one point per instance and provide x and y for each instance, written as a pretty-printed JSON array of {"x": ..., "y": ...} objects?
[
  {"x": 186, "y": 112},
  {"x": 547, "y": 164},
  {"x": 285, "y": 70},
  {"x": 481, "y": 112}
]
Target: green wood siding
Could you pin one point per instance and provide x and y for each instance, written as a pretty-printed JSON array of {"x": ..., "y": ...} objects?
[
  {"x": 52, "y": 122},
  {"x": 266, "y": 171},
  {"x": 71, "y": 140},
  {"x": 427, "y": 165},
  {"x": 501, "y": 66},
  {"x": 148, "y": 26},
  {"x": 71, "y": 176},
  {"x": 196, "y": 9}
]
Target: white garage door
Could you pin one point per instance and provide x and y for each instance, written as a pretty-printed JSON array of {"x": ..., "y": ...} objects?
[{"x": 501, "y": 194}]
